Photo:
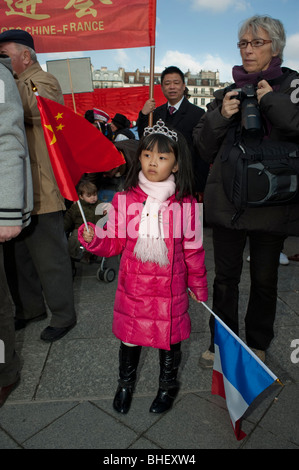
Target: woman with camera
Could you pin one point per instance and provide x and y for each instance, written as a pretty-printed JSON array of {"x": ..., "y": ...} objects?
[{"x": 261, "y": 44}]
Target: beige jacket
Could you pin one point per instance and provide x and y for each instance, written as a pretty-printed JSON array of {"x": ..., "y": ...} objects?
[{"x": 47, "y": 197}]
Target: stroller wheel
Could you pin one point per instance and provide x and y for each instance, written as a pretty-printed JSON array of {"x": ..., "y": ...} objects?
[
  {"x": 100, "y": 275},
  {"x": 109, "y": 275}
]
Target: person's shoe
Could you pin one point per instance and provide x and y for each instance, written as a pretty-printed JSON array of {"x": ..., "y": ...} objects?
[
  {"x": 259, "y": 353},
  {"x": 283, "y": 259},
  {"x": 21, "y": 323},
  {"x": 51, "y": 334},
  {"x": 6, "y": 391},
  {"x": 123, "y": 399},
  {"x": 207, "y": 359},
  {"x": 128, "y": 363},
  {"x": 164, "y": 400}
]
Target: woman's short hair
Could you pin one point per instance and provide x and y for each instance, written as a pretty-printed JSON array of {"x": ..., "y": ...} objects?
[{"x": 273, "y": 27}]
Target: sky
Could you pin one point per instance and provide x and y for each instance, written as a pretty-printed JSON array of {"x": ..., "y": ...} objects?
[{"x": 198, "y": 35}]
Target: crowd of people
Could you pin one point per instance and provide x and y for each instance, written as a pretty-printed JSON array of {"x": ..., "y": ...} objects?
[{"x": 174, "y": 162}]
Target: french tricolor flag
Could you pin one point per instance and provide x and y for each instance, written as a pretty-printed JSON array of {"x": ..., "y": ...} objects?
[{"x": 239, "y": 376}]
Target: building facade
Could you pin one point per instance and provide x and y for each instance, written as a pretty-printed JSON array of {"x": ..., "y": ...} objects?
[{"x": 201, "y": 86}]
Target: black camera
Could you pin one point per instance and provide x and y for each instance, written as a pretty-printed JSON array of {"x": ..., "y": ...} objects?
[{"x": 250, "y": 112}]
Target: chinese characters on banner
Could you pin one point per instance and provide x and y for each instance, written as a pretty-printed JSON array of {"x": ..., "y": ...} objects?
[{"x": 77, "y": 25}]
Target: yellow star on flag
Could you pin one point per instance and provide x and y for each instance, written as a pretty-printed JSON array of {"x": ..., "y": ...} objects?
[
  {"x": 60, "y": 127},
  {"x": 58, "y": 116}
]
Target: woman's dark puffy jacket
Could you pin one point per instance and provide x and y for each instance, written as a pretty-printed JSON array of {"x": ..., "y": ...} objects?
[{"x": 209, "y": 138}]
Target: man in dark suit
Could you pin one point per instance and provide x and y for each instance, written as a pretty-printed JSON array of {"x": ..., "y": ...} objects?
[{"x": 179, "y": 114}]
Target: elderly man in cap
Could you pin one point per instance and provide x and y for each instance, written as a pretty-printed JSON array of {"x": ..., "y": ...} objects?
[{"x": 38, "y": 264}]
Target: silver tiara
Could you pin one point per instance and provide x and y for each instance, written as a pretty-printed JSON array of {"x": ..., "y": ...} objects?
[{"x": 160, "y": 128}]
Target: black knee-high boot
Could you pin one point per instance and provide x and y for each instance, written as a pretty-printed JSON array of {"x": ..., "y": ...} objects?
[
  {"x": 128, "y": 362},
  {"x": 168, "y": 385}
]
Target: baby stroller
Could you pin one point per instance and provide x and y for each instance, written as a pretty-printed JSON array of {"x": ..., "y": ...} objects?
[
  {"x": 105, "y": 273},
  {"x": 109, "y": 186}
]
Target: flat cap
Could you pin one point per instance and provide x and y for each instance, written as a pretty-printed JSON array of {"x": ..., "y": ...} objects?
[{"x": 19, "y": 36}]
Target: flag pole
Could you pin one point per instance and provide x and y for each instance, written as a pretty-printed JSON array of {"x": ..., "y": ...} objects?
[
  {"x": 152, "y": 75},
  {"x": 83, "y": 215},
  {"x": 71, "y": 84},
  {"x": 243, "y": 344}
]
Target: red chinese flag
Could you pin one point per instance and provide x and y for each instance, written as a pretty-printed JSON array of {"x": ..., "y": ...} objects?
[
  {"x": 75, "y": 146},
  {"x": 78, "y": 25}
]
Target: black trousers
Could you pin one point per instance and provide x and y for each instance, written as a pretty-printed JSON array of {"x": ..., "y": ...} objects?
[
  {"x": 265, "y": 249},
  {"x": 38, "y": 267},
  {"x": 10, "y": 367}
]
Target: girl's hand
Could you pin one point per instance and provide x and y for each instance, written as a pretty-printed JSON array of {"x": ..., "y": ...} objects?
[
  {"x": 88, "y": 236},
  {"x": 192, "y": 295}
]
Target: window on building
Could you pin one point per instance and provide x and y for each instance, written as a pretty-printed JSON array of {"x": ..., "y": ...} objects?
[{"x": 202, "y": 101}]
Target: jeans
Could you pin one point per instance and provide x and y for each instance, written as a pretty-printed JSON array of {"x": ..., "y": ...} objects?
[{"x": 265, "y": 249}]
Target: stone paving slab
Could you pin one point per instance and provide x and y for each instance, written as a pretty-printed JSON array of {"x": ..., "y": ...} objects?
[{"x": 65, "y": 397}]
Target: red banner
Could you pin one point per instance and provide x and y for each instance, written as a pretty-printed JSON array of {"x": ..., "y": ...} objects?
[
  {"x": 127, "y": 101},
  {"x": 80, "y": 25}
]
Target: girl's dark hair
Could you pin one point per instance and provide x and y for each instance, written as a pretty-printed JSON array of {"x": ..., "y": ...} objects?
[{"x": 184, "y": 175}]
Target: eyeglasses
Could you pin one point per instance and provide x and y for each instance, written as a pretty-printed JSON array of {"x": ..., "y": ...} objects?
[{"x": 254, "y": 43}]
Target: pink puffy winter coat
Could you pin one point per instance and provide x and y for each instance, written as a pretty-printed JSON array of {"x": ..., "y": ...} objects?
[{"x": 151, "y": 302}]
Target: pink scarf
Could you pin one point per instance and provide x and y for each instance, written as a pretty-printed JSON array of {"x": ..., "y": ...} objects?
[{"x": 150, "y": 245}]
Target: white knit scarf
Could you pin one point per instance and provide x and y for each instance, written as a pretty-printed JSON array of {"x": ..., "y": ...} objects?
[{"x": 150, "y": 245}]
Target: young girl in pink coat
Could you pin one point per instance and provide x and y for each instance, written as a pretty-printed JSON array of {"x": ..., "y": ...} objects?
[{"x": 155, "y": 225}]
